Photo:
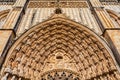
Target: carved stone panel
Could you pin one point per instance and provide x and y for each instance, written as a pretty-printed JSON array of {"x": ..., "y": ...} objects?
[{"x": 37, "y": 4}]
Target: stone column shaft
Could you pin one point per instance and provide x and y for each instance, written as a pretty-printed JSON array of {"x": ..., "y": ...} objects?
[{"x": 109, "y": 32}]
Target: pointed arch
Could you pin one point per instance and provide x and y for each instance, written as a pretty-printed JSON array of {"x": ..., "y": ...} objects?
[{"x": 90, "y": 54}]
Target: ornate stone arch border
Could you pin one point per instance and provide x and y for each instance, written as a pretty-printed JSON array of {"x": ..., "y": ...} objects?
[
  {"x": 63, "y": 20},
  {"x": 59, "y": 20}
]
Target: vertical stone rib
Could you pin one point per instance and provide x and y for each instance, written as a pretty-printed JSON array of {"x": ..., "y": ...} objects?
[
  {"x": 79, "y": 15},
  {"x": 93, "y": 22},
  {"x": 96, "y": 3},
  {"x": 104, "y": 18},
  {"x": 41, "y": 15},
  {"x": 83, "y": 17},
  {"x": 87, "y": 18},
  {"x": 68, "y": 12},
  {"x": 28, "y": 23},
  {"x": 11, "y": 20},
  {"x": 35, "y": 21},
  {"x": 22, "y": 25},
  {"x": 20, "y": 3},
  {"x": 75, "y": 15},
  {"x": 71, "y": 12},
  {"x": 108, "y": 19}
]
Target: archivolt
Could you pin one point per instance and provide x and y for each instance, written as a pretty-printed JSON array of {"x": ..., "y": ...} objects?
[
  {"x": 113, "y": 13},
  {"x": 4, "y": 13},
  {"x": 115, "y": 16},
  {"x": 26, "y": 57}
]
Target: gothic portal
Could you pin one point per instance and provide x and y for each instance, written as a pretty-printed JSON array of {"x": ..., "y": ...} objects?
[{"x": 59, "y": 40}]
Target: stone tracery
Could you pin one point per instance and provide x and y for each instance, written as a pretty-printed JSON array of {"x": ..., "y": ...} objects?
[{"x": 28, "y": 59}]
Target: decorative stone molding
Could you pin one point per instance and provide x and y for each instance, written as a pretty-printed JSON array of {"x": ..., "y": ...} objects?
[
  {"x": 56, "y": 0},
  {"x": 4, "y": 13},
  {"x": 110, "y": 2},
  {"x": 38, "y": 4},
  {"x": 7, "y": 2},
  {"x": 115, "y": 16},
  {"x": 3, "y": 16},
  {"x": 60, "y": 74}
]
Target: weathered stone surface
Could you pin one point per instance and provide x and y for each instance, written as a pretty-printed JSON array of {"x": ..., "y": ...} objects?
[
  {"x": 4, "y": 37},
  {"x": 113, "y": 38},
  {"x": 65, "y": 44},
  {"x": 45, "y": 48}
]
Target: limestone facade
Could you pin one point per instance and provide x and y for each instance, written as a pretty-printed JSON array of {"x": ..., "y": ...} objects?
[{"x": 59, "y": 40}]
